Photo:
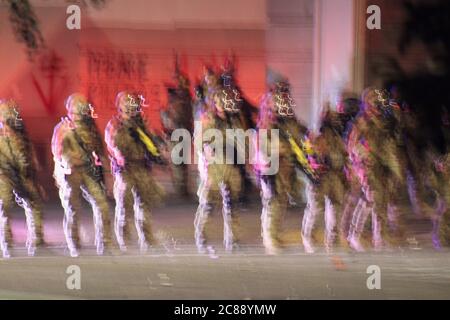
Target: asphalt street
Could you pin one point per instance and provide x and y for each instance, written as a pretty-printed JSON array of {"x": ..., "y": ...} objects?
[{"x": 172, "y": 269}]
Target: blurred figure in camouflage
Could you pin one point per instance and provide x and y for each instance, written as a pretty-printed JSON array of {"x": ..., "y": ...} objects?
[
  {"x": 348, "y": 108},
  {"x": 133, "y": 150},
  {"x": 199, "y": 102},
  {"x": 276, "y": 112},
  {"x": 248, "y": 114},
  {"x": 377, "y": 163},
  {"x": 220, "y": 176},
  {"x": 327, "y": 193},
  {"x": 409, "y": 137},
  {"x": 18, "y": 164},
  {"x": 435, "y": 175},
  {"x": 205, "y": 92},
  {"x": 179, "y": 115},
  {"x": 78, "y": 152}
]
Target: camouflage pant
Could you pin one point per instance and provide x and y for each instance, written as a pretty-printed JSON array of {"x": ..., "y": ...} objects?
[
  {"x": 378, "y": 201},
  {"x": 220, "y": 184},
  {"x": 134, "y": 190},
  {"x": 441, "y": 217},
  {"x": 318, "y": 203},
  {"x": 29, "y": 199},
  {"x": 71, "y": 188},
  {"x": 180, "y": 176},
  {"x": 275, "y": 193},
  {"x": 351, "y": 201},
  {"x": 444, "y": 230}
]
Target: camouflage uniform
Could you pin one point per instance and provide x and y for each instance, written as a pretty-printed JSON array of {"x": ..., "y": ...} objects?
[
  {"x": 179, "y": 115},
  {"x": 277, "y": 189},
  {"x": 327, "y": 195},
  {"x": 412, "y": 137},
  {"x": 77, "y": 151},
  {"x": 437, "y": 178},
  {"x": 219, "y": 182},
  {"x": 445, "y": 223},
  {"x": 17, "y": 178},
  {"x": 348, "y": 109},
  {"x": 128, "y": 142},
  {"x": 247, "y": 115},
  {"x": 376, "y": 161}
]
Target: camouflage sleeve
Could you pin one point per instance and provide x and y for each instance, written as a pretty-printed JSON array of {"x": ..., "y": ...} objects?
[
  {"x": 322, "y": 146},
  {"x": 392, "y": 158},
  {"x": 206, "y": 122},
  {"x": 20, "y": 157},
  {"x": 67, "y": 150},
  {"x": 110, "y": 135},
  {"x": 353, "y": 140},
  {"x": 98, "y": 141},
  {"x": 56, "y": 144}
]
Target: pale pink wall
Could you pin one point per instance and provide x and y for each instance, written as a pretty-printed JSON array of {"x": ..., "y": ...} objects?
[{"x": 334, "y": 52}]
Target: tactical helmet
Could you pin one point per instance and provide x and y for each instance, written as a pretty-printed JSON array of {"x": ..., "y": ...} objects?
[
  {"x": 371, "y": 96},
  {"x": 282, "y": 100},
  {"x": 210, "y": 78},
  {"x": 129, "y": 103},
  {"x": 228, "y": 98},
  {"x": 332, "y": 119},
  {"x": 9, "y": 113},
  {"x": 77, "y": 105}
]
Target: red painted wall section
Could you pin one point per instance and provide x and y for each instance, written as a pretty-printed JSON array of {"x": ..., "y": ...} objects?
[{"x": 102, "y": 60}]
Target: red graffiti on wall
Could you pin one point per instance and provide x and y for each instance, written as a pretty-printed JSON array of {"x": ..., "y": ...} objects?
[
  {"x": 106, "y": 71},
  {"x": 52, "y": 67}
]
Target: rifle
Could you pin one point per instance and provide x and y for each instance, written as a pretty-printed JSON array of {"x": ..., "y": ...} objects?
[
  {"x": 16, "y": 181},
  {"x": 96, "y": 171},
  {"x": 302, "y": 154},
  {"x": 14, "y": 176},
  {"x": 152, "y": 153}
]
